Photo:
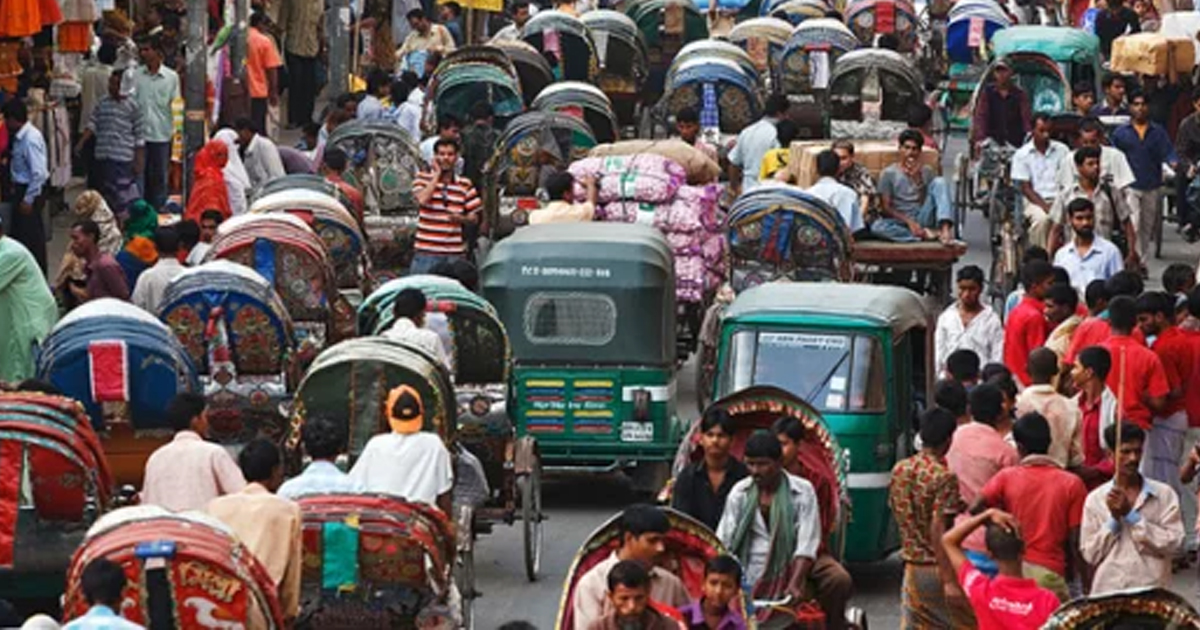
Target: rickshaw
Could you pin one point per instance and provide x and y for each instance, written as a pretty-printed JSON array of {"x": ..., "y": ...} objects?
[
  {"x": 351, "y": 381},
  {"x": 338, "y": 229},
  {"x": 815, "y": 44},
  {"x": 764, "y": 39},
  {"x": 795, "y": 11},
  {"x": 869, "y": 18},
  {"x": 1076, "y": 52},
  {"x": 738, "y": 101},
  {"x": 592, "y": 315},
  {"x": 401, "y": 556},
  {"x": 533, "y": 144},
  {"x": 533, "y": 70},
  {"x": 666, "y": 26},
  {"x": 477, "y": 345},
  {"x": 292, "y": 257},
  {"x": 1145, "y": 609},
  {"x": 584, "y": 101},
  {"x": 47, "y": 445},
  {"x": 966, "y": 54},
  {"x": 859, "y": 354},
  {"x": 571, "y": 51},
  {"x": 124, "y": 366},
  {"x": 182, "y": 570},
  {"x": 689, "y": 546},
  {"x": 870, "y": 93},
  {"x": 384, "y": 162},
  {"x": 623, "y": 60},
  {"x": 478, "y": 74},
  {"x": 304, "y": 181},
  {"x": 784, "y": 233},
  {"x": 238, "y": 334}
]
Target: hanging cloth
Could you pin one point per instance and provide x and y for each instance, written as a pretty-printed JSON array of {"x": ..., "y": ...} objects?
[{"x": 20, "y": 18}]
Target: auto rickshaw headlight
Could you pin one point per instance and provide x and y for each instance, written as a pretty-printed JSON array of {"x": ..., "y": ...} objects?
[
  {"x": 480, "y": 406},
  {"x": 641, "y": 405}
]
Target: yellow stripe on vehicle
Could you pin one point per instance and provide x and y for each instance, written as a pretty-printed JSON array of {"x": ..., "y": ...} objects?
[{"x": 545, "y": 383}]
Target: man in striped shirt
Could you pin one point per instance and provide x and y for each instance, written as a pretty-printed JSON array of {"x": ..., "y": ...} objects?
[
  {"x": 116, "y": 124},
  {"x": 448, "y": 202}
]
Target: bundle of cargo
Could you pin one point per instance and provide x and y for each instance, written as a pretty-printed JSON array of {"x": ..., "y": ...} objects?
[
  {"x": 1153, "y": 54},
  {"x": 649, "y": 188}
]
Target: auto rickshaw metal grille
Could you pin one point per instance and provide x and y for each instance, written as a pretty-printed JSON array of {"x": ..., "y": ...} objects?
[{"x": 570, "y": 318}]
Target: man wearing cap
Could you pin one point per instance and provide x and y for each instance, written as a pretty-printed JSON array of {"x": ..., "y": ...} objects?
[
  {"x": 407, "y": 462},
  {"x": 1003, "y": 114}
]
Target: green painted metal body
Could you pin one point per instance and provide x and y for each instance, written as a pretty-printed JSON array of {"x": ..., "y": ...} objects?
[{"x": 877, "y": 438}]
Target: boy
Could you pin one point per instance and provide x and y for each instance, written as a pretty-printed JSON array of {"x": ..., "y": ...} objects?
[
  {"x": 1007, "y": 601},
  {"x": 722, "y": 583},
  {"x": 629, "y": 601}
]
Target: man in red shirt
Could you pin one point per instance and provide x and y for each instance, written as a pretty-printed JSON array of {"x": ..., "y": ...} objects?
[
  {"x": 1097, "y": 409},
  {"x": 1048, "y": 503},
  {"x": 1027, "y": 327},
  {"x": 1095, "y": 330},
  {"x": 1164, "y": 443},
  {"x": 1008, "y": 601},
  {"x": 333, "y": 165},
  {"x": 1146, "y": 386}
]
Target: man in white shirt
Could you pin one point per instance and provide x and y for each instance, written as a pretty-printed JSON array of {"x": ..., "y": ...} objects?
[
  {"x": 1113, "y": 164},
  {"x": 152, "y": 284},
  {"x": 1034, "y": 171},
  {"x": 560, "y": 187},
  {"x": 831, "y": 191},
  {"x": 408, "y": 325},
  {"x": 969, "y": 324},
  {"x": 1088, "y": 256},
  {"x": 407, "y": 462},
  {"x": 210, "y": 220},
  {"x": 260, "y": 156},
  {"x": 448, "y": 129},
  {"x": 753, "y": 143}
]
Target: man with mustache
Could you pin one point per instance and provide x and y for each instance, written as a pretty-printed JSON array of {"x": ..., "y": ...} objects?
[{"x": 1089, "y": 256}]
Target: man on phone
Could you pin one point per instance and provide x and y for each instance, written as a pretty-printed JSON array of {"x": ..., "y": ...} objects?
[
  {"x": 448, "y": 202},
  {"x": 914, "y": 201}
]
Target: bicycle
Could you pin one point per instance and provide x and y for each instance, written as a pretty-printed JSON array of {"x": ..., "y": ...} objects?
[{"x": 1006, "y": 224}]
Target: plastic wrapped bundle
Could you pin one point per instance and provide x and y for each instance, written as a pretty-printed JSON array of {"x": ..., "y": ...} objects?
[
  {"x": 643, "y": 177},
  {"x": 626, "y": 212},
  {"x": 689, "y": 278}
]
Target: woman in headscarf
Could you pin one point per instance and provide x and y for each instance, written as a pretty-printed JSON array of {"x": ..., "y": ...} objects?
[
  {"x": 237, "y": 180},
  {"x": 208, "y": 187},
  {"x": 89, "y": 205},
  {"x": 139, "y": 253}
]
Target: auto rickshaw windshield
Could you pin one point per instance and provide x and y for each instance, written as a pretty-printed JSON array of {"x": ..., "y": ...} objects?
[{"x": 836, "y": 372}]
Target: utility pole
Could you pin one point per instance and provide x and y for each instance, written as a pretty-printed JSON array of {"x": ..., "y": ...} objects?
[
  {"x": 237, "y": 47},
  {"x": 197, "y": 80},
  {"x": 337, "y": 29}
]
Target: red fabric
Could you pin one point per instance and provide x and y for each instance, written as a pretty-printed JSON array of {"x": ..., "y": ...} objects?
[
  {"x": 10, "y": 489},
  {"x": 1006, "y": 603},
  {"x": 1191, "y": 391},
  {"x": 1089, "y": 427},
  {"x": 1025, "y": 331},
  {"x": 1048, "y": 503},
  {"x": 1178, "y": 356},
  {"x": 109, "y": 367},
  {"x": 1144, "y": 376},
  {"x": 352, "y": 193},
  {"x": 51, "y": 14},
  {"x": 1094, "y": 331},
  {"x": 208, "y": 190},
  {"x": 885, "y": 17},
  {"x": 813, "y": 465}
]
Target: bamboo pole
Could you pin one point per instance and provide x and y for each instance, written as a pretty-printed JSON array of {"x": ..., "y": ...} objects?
[{"x": 1120, "y": 414}]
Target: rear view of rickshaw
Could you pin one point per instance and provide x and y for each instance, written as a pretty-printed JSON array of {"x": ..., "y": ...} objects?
[
  {"x": 591, "y": 311},
  {"x": 810, "y": 55},
  {"x": 533, "y": 71},
  {"x": 870, "y": 93},
  {"x": 764, "y": 39},
  {"x": 869, "y": 19},
  {"x": 351, "y": 381},
  {"x": 477, "y": 74},
  {"x": 582, "y": 100},
  {"x": 477, "y": 347},
  {"x": 567, "y": 44},
  {"x": 861, "y": 355},
  {"x": 972, "y": 25},
  {"x": 667, "y": 26},
  {"x": 729, "y": 73},
  {"x": 624, "y": 62}
]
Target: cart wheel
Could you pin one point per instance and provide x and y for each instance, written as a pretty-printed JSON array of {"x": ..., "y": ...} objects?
[
  {"x": 962, "y": 185},
  {"x": 530, "y": 487}
]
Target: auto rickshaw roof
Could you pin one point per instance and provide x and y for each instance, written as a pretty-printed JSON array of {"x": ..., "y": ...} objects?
[
  {"x": 896, "y": 308},
  {"x": 1058, "y": 43},
  {"x": 617, "y": 243}
]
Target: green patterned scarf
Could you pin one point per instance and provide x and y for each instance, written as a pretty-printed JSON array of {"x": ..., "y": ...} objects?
[{"x": 782, "y": 527}]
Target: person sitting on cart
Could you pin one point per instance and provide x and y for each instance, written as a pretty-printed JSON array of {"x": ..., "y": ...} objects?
[
  {"x": 700, "y": 489},
  {"x": 324, "y": 439},
  {"x": 914, "y": 202},
  {"x": 563, "y": 207},
  {"x": 1113, "y": 86},
  {"x": 857, "y": 178},
  {"x": 630, "y": 604},
  {"x": 714, "y": 610},
  {"x": 643, "y": 534},
  {"x": 772, "y": 524},
  {"x": 408, "y": 325},
  {"x": 1034, "y": 171},
  {"x": 407, "y": 462},
  {"x": 836, "y": 194},
  {"x": 1002, "y": 113}
]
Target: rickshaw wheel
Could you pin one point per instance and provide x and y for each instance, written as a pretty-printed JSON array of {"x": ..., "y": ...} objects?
[
  {"x": 962, "y": 185},
  {"x": 464, "y": 576},
  {"x": 530, "y": 488}
]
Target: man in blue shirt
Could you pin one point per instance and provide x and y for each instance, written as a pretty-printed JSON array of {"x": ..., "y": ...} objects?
[
  {"x": 1147, "y": 147},
  {"x": 103, "y": 582},
  {"x": 1088, "y": 256},
  {"x": 28, "y": 176},
  {"x": 323, "y": 441}
]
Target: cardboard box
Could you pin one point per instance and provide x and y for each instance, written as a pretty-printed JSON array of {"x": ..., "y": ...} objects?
[
  {"x": 873, "y": 155},
  {"x": 1153, "y": 54}
]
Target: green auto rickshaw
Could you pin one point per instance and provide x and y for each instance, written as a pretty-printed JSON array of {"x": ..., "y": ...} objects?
[
  {"x": 859, "y": 354},
  {"x": 590, "y": 312}
]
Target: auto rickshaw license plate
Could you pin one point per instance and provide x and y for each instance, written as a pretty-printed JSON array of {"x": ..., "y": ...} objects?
[{"x": 637, "y": 432}]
